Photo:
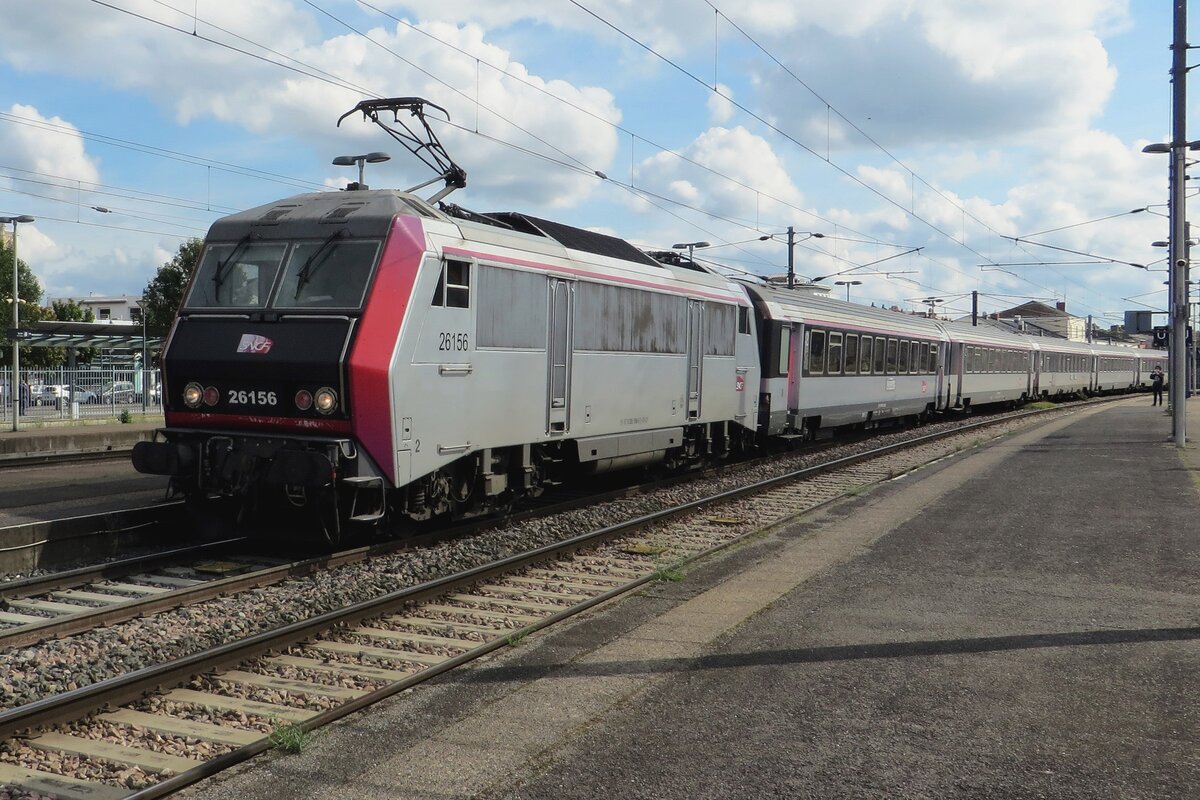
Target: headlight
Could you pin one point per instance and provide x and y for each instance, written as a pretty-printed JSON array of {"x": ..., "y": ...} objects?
[
  {"x": 304, "y": 400},
  {"x": 192, "y": 394},
  {"x": 211, "y": 396},
  {"x": 326, "y": 400}
]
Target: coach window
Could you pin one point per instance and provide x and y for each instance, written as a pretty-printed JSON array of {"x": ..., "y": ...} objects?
[
  {"x": 864, "y": 356},
  {"x": 743, "y": 322},
  {"x": 454, "y": 285},
  {"x": 933, "y": 358},
  {"x": 851, "y": 353},
  {"x": 891, "y": 356},
  {"x": 925, "y": 357},
  {"x": 785, "y": 350},
  {"x": 903, "y": 356},
  {"x": 880, "y": 350},
  {"x": 816, "y": 352},
  {"x": 833, "y": 365}
]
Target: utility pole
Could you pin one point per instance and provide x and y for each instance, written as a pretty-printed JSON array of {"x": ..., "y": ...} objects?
[
  {"x": 1178, "y": 214},
  {"x": 791, "y": 257},
  {"x": 974, "y": 308}
]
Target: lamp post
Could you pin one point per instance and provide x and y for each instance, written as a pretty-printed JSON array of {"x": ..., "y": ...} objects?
[
  {"x": 691, "y": 247},
  {"x": 145, "y": 372},
  {"x": 1190, "y": 367},
  {"x": 366, "y": 158},
  {"x": 791, "y": 243},
  {"x": 1177, "y": 212},
  {"x": 847, "y": 284},
  {"x": 16, "y": 359}
]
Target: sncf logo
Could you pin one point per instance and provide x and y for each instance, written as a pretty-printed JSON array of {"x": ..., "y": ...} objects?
[{"x": 253, "y": 343}]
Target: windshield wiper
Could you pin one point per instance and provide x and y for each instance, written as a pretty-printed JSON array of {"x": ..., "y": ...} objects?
[
  {"x": 313, "y": 264},
  {"x": 219, "y": 273}
]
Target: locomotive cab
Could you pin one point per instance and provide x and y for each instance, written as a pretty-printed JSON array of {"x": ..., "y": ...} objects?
[{"x": 259, "y": 402}]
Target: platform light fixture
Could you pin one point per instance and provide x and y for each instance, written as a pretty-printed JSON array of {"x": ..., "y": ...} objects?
[{"x": 847, "y": 284}]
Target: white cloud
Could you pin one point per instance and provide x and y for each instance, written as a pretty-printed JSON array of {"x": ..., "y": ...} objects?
[
  {"x": 720, "y": 105},
  {"x": 944, "y": 72},
  {"x": 45, "y": 149},
  {"x": 737, "y": 153},
  {"x": 197, "y": 80}
]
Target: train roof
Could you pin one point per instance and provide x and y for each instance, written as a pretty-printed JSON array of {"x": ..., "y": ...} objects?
[
  {"x": 791, "y": 305},
  {"x": 370, "y": 213},
  {"x": 987, "y": 335},
  {"x": 570, "y": 237},
  {"x": 527, "y": 241},
  {"x": 366, "y": 213}
]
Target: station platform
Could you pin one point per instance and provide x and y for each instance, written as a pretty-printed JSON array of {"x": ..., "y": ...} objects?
[
  {"x": 93, "y": 436},
  {"x": 1020, "y": 620}
]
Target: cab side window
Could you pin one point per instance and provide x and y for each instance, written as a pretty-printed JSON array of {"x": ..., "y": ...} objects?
[{"x": 454, "y": 285}]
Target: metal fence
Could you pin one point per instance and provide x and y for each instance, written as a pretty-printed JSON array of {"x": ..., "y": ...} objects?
[{"x": 63, "y": 394}]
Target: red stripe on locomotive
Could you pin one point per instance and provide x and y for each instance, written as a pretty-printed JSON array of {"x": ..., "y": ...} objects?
[{"x": 377, "y": 338}]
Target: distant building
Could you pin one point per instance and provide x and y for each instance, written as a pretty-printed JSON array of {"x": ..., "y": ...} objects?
[
  {"x": 122, "y": 308},
  {"x": 1038, "y": 318}
]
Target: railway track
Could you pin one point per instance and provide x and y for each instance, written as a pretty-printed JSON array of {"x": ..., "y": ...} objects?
[{"x": 128, "y": 736}]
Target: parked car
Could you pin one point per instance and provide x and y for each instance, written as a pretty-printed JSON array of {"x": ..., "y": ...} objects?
[
  {"x": 79, "y": 394},
  {"x": 118, "y": 392},
  {"x": 53, "y": 394}
]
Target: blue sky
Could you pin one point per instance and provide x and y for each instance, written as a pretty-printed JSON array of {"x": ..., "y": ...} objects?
[{"x": 885, "y": 125}]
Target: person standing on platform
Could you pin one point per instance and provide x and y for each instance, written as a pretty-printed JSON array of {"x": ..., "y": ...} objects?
[{"x": 1156, "y": 384}]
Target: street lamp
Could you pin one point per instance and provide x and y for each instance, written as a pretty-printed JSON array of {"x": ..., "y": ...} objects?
[
  {"x": 691, "y": 247},
  {"x": 350, "y": 161},
  {"x": 791, "y": 243},
  {"x": 932, "y": 302},
  {"x": 16, "y": 359},
  {"x": 847, "y": 284}
]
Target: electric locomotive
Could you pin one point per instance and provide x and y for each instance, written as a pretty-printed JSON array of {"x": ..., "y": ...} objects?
[{"x": 354, "y": 356}]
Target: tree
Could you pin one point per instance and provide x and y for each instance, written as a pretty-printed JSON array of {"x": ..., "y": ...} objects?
[
  {"x": 29, "y": 290},
  {"x": 165, "y": 292},
  {"x": 71, "y": 311}
]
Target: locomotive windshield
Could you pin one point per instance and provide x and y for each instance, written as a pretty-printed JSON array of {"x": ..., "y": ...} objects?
[
  {"x": 321, "y": 274},
  {"x": 326, "y": 275}
]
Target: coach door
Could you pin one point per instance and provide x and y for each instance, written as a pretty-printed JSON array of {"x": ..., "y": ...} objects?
[
  {"x": 695, "y": 356},
  {"x": 558, "y": 353},
  {"x": 939, "y": 367}
]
